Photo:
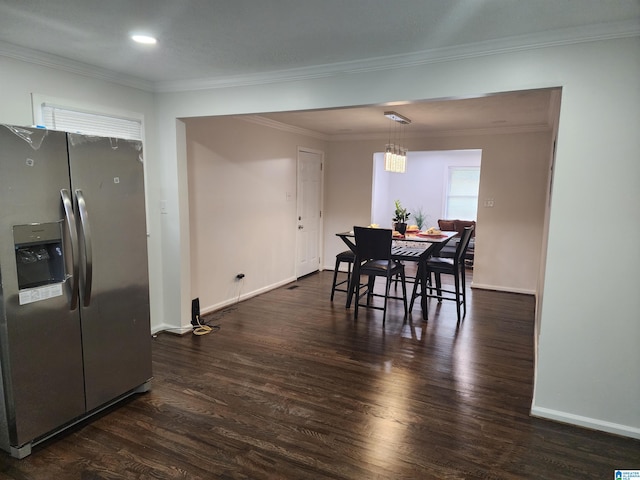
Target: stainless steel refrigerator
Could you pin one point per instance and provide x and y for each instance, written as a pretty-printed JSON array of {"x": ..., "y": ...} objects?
[{"x": 74, "y": 297}]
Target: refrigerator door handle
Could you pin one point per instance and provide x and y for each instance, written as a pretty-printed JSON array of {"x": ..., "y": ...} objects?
[
  {"x": 73, "y": 238},
  {"x": 88, "y": 254}
]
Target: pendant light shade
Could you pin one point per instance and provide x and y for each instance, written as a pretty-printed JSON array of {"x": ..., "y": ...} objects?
[{"x": 395, "y": 155}]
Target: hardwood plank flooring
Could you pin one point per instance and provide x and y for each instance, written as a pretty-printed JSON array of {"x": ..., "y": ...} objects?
[{"x": 291, "y": 387}]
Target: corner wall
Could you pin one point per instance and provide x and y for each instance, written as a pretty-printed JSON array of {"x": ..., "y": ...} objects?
[
  {"x": 18, "y": 80},
  {"x": 514, "y": 172},
  {"x": 588, "y": 356},
  {"x": 242, "y": 208}
]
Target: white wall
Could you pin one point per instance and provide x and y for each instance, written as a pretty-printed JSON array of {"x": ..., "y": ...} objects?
[
  {"x": 584, "y": 374},
  {"x": 19, "y": 80},
  {"x": 241, "y": 218},
  {"x": 588, "y": 358},
  {"x": 421, "y": 187}
]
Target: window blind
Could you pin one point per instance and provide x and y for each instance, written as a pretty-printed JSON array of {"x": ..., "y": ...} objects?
[{"x": 58, "y": 118}]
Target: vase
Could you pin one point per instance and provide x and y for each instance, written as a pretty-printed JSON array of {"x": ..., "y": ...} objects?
[{"x": 401, "y": 227}]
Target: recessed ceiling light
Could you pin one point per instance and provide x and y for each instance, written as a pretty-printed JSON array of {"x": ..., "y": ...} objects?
[{"x": 146, "y": 39}]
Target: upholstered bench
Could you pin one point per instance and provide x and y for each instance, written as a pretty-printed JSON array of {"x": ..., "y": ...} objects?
[{"x": 449, "y": 250}]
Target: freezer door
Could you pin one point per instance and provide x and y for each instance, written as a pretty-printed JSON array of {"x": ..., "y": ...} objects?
[
  {"x": 39, "y": 333},
  {"x": 108, "y": 184}
]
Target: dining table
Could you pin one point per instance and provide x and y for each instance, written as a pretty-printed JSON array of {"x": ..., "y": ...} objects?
[{"x": 416, "y": 246}]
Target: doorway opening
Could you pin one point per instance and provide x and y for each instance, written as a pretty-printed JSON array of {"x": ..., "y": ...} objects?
[{"x": 436, "y": 185}]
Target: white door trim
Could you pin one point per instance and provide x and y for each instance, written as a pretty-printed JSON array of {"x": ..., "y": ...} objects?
[{"x": 320, "y": 226}]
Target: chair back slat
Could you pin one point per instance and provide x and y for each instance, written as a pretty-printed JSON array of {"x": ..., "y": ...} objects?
[
  {"x": 373, "y": 243},
  {"x": 461, "y": 250}
]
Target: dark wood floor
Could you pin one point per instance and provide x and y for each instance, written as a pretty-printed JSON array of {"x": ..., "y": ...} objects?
[{"x": 291, "y": 387}]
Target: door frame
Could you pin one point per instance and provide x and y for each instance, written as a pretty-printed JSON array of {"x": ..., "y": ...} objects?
[{"x": 321, "y": 217}]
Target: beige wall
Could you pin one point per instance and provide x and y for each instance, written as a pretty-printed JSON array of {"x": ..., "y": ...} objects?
[
  {"x": 239, "y": 173},
  {"x": 242, "y": 207},
  {"x": 514, "y": 172}
]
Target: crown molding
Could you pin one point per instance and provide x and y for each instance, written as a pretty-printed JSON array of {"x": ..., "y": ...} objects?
[
  {"x": 489, "y": 131},
  {"x": 67, "y": 65},
  {"x": 590, "y": 33},
  {"x": 269, "y": 123},
  {"x": 443, "y": 133}
]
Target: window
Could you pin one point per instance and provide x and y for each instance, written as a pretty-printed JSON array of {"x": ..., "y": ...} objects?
[
  {"x": 462, "y": 193},
  {"x": 79, "y": 117},
  {"x": 72, "y": 116},
  {"x": 58, "y": 118}
]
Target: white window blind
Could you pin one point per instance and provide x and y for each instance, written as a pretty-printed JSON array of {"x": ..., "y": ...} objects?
[
  {"x": 58, "y": 118},
  {"x": 462, "y": 193}
]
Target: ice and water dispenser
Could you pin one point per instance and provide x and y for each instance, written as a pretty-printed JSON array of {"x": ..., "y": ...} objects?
[{"x": 39, "y": 260}]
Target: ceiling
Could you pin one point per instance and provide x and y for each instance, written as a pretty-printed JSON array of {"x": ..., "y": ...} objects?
[
  {"x": 200, "y": 39},
  {"x": 528, "y": 110},
  {"x": 213, "y": 43}
]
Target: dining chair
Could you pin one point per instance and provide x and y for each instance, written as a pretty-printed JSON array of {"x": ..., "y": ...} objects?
[
  {"x": 373, "y": 254},
  {"x": 349, "y": 258},
  {"x": 449, "y": 266},
  {"x": 404, "y": 254},
  {"x": 417, "y": 256}
]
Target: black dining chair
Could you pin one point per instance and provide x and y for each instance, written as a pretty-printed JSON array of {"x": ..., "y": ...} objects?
[
  {"x": 449, "y": 266},
  {"x": 373, "y": 254},
  {"x": 404, "y": 254},
  {"x": 349, "y": 258}
]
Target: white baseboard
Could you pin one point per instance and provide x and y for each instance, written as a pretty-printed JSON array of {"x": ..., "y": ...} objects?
[
  {"x": 170, "y": 329},
  {"x": 245, "y": 296},
  {"x": 586, "y": 422},
  {"x": 499, "y": 288},
  {"x": 342, "y": 269},
  {"x": 159, "y": 328},
  {"x": 479, "y": 286},
  {"x": 218, "y": 306}
]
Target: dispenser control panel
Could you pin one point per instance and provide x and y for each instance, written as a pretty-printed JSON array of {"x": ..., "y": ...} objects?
[{"x": 39, "y": 261}]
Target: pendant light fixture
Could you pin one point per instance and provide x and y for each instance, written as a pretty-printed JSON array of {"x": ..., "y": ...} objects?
[{"x": 395, "y": 155}]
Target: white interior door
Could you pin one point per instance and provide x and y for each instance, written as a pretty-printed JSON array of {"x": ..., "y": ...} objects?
[{"x": 309, "y": 211}]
